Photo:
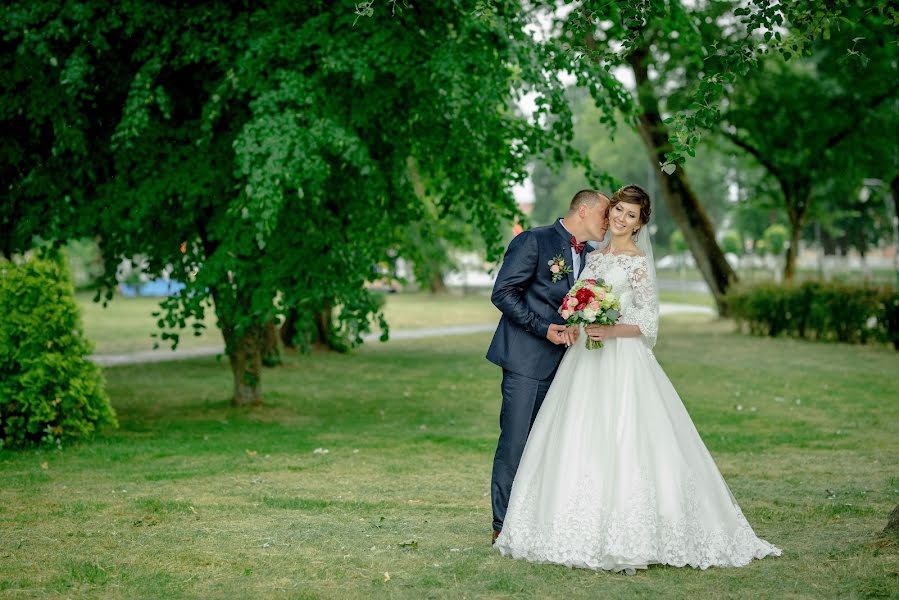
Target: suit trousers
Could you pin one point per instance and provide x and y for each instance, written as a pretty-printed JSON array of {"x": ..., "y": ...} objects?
[{"x": 522, "y": 397}]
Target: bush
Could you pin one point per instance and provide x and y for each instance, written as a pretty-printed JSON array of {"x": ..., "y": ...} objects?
[
  {"x": 776, "y": 237},
  {"x": 49, "y": 390},
  {"x": 731, "y": 242},
  {"x": 85, "y": 263},
  {"x": 817, "y": 310}
]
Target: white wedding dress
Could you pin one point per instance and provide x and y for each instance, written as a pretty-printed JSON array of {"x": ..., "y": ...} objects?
[{"x": 614, "y": 475}]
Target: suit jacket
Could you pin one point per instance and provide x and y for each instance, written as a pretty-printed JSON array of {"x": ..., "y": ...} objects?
[{"x": 529, "y": 301}]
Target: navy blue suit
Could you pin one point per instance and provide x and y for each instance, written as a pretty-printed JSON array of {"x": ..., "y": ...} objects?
[{"x": 529, "y": 301}]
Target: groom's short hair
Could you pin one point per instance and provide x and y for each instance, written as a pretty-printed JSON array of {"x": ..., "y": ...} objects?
[{"x": 586, "y": 198}]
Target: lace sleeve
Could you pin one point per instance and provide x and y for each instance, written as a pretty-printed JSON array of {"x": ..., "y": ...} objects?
[{"x": 645, "y": 312}]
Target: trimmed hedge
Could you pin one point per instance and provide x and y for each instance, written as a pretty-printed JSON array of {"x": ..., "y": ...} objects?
[
  {"x": 49, "y": 390},
  {"x": 819, "y": 310}
]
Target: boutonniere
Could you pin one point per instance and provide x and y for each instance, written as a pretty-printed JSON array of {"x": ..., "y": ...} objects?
[{"x": 558, "y": 267}]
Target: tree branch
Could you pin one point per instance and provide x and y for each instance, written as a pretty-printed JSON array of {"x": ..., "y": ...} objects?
[
  {"x": 755, "y": 152},
  {"x": 860, "y": 116}
]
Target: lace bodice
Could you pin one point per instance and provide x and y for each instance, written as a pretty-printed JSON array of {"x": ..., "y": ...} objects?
[{"x": 631, "y": 281}]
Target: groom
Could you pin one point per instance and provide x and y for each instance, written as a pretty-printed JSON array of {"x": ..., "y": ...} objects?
[{"x": 539, "y": 268}]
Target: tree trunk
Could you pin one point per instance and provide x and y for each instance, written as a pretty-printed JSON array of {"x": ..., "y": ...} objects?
[
  {"x": 829, "y": 244},
  {"x": 289, "y": 329},
  {"x": 682, "y": 202},
  {"x": 436, "y": 283},
  {"x": 244, "y": 349},
  {"x": 797, "y": 207},
  {"x": 323, "y": 336},
  {"x": 271, "y": 352},
  {"x": 792, "y": 252},
  {"x": 894, "y": 188},
  {"x": 245, "y": 355},
  {"x": 323, "y": 328},
  {"x": 892, "y": 528}
]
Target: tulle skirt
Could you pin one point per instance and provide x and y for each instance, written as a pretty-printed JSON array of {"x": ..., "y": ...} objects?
[{"x": 614, "y": 475}]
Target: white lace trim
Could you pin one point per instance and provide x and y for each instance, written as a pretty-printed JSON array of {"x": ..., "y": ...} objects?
[{"x": 581, "y": 534}]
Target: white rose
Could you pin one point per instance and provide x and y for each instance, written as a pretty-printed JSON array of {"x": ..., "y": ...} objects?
[{"x": 589, "y": 313}]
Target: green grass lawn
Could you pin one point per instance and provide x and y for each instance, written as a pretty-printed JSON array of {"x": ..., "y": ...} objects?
[
  {"x": 125, "y": 324},
  {"x": 696, "y": 298},
  {"x": 192, "y": 498}
]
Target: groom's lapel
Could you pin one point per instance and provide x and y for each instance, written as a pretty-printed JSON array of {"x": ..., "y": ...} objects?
[
  {"x": 565, "y": 251},
  {"x": 572, "y": 275},
  {"x": 587, "y": 250}
]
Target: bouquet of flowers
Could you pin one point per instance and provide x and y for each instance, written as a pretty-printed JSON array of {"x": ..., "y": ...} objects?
[{"x": 590, "y": 302}]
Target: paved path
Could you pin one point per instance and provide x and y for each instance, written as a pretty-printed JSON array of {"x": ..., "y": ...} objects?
[{"x": 162, "y": 355}]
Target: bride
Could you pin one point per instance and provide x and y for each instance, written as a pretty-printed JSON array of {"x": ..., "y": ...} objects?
[{"x": 614, "y": 475}]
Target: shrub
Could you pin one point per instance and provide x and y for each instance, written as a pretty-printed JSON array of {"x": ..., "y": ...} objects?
[
  {"x": 677, "y": 243},
  {"x": 776, "y": 237},
  {"x": 817, "y": 310},
  {"x": 731, "y": 242},
  {"x": 49, "y": 390}
]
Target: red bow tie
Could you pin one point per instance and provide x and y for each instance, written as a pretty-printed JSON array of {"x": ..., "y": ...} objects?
[{"x": 578, "y": 248}]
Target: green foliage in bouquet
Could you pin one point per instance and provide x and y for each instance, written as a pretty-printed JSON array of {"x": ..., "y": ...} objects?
[
  {"x": 819, "y": 310},
  {"x": 49, "y": 390}
]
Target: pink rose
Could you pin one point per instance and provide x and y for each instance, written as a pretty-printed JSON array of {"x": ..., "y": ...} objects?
[
  {"x": 601, "y": 294},
  {"x": 566, "y": 313},
  {"x": 554, "y": 268},
  {"x": 572, "y": 303},
  {"x": 594, "y": 305}
]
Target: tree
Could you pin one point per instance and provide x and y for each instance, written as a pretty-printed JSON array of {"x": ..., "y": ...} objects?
[
  {"x": 820, "y": 121},
  {"x": 430, "y": 242},
  {"x": 691, "y": 55},
  {"x": 800, "y": 127},
  {"x": 618, "y": 151},
  {"x": 644, "y": 33},
  {"x": 261, "y": 153},
  {"x": 849, "y": 213}
]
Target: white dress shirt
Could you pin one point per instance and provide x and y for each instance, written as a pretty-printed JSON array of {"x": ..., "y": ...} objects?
[{"x": 575, "y": 257}]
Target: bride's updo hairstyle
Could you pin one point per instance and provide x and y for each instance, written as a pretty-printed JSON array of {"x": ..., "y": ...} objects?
[{"x": 634, "y": 194}]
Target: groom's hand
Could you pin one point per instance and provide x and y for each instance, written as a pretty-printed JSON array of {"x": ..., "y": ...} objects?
[{"x": 557, "y": 334}]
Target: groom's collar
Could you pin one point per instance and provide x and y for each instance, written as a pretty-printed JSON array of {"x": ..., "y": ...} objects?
[
  {"x": 561, "y": 229},
  {"x": 566, "y": 235}
]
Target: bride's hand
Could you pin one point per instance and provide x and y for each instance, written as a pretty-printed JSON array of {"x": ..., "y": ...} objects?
[{"x": 600, "y": 333}]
